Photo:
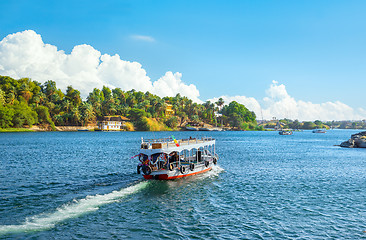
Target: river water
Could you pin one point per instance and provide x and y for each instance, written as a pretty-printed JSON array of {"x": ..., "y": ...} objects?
[{"x": 83, "y": 185}]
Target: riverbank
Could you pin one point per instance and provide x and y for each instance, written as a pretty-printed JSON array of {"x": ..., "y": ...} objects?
[
  {"x": 48, "y": 129},
  {"x": 154, "y": 126},
  {"x": 15, "y": 130}
]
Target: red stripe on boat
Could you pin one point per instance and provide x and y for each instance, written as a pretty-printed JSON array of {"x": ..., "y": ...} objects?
[{"x": 165, "y": 176}]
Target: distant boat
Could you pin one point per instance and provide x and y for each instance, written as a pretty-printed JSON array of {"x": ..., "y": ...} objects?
[
  {"x": 204, "y": 129},
  {"x": 319, "y": 131},
  {"x": 191, "y": 129},
  {"x": 285, "y": 132},
  {"x": 83, "y": 130}
]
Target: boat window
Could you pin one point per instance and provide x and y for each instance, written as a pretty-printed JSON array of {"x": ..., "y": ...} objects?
[
  {"x": 184, "y": 154},
  {"x": 173, "y": 157},
  {"x": 143, "y": 157},
  {"x": 155, "y": 157}
]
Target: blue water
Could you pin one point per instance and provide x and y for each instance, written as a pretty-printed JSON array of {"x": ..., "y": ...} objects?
[{"x": 83, "y": 185}]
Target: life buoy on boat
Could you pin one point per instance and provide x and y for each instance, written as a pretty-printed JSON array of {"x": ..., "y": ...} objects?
[
  {"x": 215, "y": 160},
  {"x": 146, "y": 170},
  {"x": 182, "y": 169},
  {"x": 171, "y": 166},
  {"x": 207, "y": 163},
  {"x": 191, "y": 166}
]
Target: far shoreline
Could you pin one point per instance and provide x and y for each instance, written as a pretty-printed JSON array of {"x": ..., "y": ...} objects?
[{"x": 36, "y": 128}]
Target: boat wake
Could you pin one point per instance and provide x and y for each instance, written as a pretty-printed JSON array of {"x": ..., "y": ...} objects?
[
  {"x": 73, "y": 209},
  {"x": 215, "y": 171}
]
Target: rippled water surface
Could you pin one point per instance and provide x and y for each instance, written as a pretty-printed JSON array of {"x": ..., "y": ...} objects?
[{"x": 83, "y": 185}]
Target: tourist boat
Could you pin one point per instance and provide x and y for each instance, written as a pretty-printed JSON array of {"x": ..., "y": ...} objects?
[
  {"x": 168, "y": 158},
  {"x": 285, "y": 132},
  {"x": 83, "y": 130},
  {"x": 319, "y": 131}
]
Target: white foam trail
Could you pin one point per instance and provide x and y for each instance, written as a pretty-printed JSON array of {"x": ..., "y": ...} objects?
[
  {"x": 216, "y": 169},
  {"x": 71, "y": 210}
]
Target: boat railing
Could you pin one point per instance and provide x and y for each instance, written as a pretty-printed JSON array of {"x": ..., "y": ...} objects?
[
  {"x": 166, "y": 141},
  {"x": 157, "y": 140}
]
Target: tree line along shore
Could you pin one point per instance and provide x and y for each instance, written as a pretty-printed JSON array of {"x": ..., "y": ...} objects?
[{"x": 27, "y": 105}]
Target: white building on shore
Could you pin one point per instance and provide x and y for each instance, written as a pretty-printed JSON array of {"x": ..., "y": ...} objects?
[{"x": 112, "y": 123}]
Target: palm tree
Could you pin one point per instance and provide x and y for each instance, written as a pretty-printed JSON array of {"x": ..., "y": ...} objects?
[
  {"x": 140, "y": 96},
  {"x": 144, "y": 105},
  {"x": 2, "y": 97},
  {"x": 220, "y": 103},
  {"x": 38, "y": 98},
  {"x": 73, "y": 95},
  {"x": 25, "y": 91},
  {"x": 131, "y": 100},
  {"x": 153, "y": 102},
  {"x": 49, "y": 88},
  {"x": 87, "y": 113},
  {"x": 160, "y": 107},
  {"x": 108, "y": 107},
  {"x": 75, "y": 115},
  {"x": 59, "y": 120},
  {"x": 10, "y": 97}
]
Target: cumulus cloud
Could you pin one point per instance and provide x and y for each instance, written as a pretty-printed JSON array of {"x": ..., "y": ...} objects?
[
  {"x": 171, "y": 84},
  {"x": 249, "y": 102},
  {"x": 278, "y": 103},
  {"x": 24, "y": 54}
]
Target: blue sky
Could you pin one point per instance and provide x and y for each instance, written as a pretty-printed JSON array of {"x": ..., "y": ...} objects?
[{"x": 316, "y": 49}]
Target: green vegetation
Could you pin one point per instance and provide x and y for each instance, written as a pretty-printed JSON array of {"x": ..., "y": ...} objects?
[
  {"x": 16, "y": 130},
  {"x": 24, "y": 103},
  {"x": 172, "y": 122},
  {"x": 239, "y": 116},
  {"x": 347, "y": 124},
  {"x": 295, "y": 124}
]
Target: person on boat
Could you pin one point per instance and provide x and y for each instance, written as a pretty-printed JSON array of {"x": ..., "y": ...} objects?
[
  {"x": 162, "y": 161},
  {"x": 143, "y": 158},
  {"x": 173, "y": 157}
]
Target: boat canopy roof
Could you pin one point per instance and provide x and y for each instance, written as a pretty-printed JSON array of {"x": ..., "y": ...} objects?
[{"x": 167, "y": 145}]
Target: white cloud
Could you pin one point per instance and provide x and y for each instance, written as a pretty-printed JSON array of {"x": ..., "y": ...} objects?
[
  {"x": 278, "y": 103},
  {"x": 249, "y": 102},
  {"x": 123, "y": 74},
  {"x": 143, "y": 38},
  {"x": 24, "y": 54},
  {"x": 171, "y": 84}
]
